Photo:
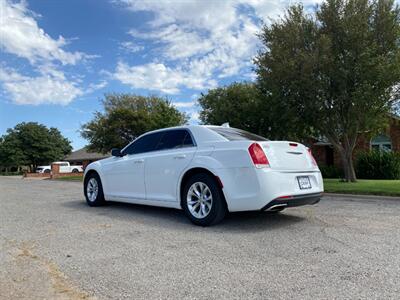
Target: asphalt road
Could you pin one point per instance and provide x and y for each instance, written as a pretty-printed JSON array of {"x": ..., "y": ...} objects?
[{"x": 53, "y": 246}]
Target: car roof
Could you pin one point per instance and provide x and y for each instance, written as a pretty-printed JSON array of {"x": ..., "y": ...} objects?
[
  {"x": 187, "y": 126},
  {"x": 201, "y": 133}
]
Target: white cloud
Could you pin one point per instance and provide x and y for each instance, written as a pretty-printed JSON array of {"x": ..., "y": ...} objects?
[
  {"x": 199, "y": 42},
  {"x": 177, "y": 42},
  {"x": 51, "y": 87},
  {"x": 21, "y": 35},
  {"x": 131, "y": 47},
  {"x": 194, "y": 117},
  {"x": 158, "y": 77},
  {"x": 183, "y": 104},
  {"x": 96, "y": 86},
  {"x": 151, "y": 76}
]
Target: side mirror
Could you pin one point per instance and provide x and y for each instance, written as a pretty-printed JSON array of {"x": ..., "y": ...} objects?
[{"x": 116, "y": 152}]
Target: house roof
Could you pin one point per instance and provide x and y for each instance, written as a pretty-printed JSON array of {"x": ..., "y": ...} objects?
[{"x": 83, "y": 154}]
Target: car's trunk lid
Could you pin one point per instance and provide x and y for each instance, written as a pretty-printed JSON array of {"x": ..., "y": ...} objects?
[{"x": 284, "y": 155}]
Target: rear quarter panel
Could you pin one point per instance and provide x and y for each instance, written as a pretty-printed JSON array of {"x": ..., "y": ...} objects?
[{"x": 230, "y": 161}]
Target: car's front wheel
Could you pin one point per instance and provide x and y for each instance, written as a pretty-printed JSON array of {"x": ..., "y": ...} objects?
[
  {"x": 203, "y": 200},
  {"x": 93, "y": 190}
]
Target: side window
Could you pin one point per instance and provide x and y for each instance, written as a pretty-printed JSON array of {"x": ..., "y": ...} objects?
[
  {"x": 175, "y": 139},
  {"x": 144, "y": 144},
  {"x": 188, "y": 141}
]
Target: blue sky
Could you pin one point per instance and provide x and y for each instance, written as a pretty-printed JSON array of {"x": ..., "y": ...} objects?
[{"x": 58, "y": 58}]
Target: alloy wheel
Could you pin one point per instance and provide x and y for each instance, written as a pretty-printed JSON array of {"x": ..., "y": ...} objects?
[
  {"x": 92, "y": 189},
  {"x": 199, "y": 200}
]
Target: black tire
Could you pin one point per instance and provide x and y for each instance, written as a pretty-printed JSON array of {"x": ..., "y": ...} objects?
[
  {"x": 99, "y": 199},
  {"x": 218, "y": 206},
  {"x": 75, "y": 171},
  {"x": 47, "y": 171}
]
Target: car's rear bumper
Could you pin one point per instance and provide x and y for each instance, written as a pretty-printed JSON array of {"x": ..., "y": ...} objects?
[
  {"x": 254, "y": 189},
  {"x": 292, "y": 201}
]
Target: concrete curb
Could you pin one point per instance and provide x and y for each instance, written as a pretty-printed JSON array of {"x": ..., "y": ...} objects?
[{"x": 358, "y": 196}]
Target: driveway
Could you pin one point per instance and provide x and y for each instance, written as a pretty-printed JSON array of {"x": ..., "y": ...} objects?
[{"x": 53, "y": 246}]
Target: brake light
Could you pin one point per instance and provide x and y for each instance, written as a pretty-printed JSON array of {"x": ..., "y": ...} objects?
[
  {"x": 258, "y": 156},
  {"x": 292, "y": 144},
  {"x": 312, "y": 158},
  {"x": 285, "y": 197}
]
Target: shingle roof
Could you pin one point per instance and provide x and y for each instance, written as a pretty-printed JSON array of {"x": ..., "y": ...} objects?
[{"x": 83, "y": 154}]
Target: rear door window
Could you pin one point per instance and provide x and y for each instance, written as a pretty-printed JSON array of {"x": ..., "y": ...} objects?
[
  {"x": 175, "y": 139},
  {"x": 234, "y": 134}
]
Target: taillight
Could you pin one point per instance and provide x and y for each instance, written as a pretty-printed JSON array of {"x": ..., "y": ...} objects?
[
  {"x": 258, "y": 156},
  {"x": 312, "y": 158},
  {"x": 285, "y": 197}
]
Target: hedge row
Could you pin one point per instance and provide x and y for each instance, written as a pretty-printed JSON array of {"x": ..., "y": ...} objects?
[{"x": 370, "y": 165}]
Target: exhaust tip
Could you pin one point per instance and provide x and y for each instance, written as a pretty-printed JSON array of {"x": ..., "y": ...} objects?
[{"x": 276, "y": 206}]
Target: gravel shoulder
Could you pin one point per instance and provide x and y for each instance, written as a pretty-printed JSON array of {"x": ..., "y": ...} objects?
[{"x": 53, "y": 246}]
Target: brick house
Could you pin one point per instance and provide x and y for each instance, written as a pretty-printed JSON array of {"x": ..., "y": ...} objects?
[
  {"x": 389, "y": 140},
  {"x": 83, "y": 157}
]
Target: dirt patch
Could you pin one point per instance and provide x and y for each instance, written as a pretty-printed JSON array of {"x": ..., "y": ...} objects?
[{"x": 25, "y": 274}]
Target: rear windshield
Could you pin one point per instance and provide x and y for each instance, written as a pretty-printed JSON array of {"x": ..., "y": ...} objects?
[{"x": 234, "y": 134}]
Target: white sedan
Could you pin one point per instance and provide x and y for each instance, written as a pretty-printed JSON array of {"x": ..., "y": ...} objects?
[{"x": 207, "y": 171}]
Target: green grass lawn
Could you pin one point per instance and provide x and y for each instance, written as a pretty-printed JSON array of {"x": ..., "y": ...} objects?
[
  {"x": 72, "y": 177},
  {"x": 363, "y": 186}
]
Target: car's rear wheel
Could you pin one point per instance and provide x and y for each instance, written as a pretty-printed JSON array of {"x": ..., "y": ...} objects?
[
  {"x": 203, "y": 200},
  {"x": 75, "y": 171},
  {"x": 93, "y": 190}
]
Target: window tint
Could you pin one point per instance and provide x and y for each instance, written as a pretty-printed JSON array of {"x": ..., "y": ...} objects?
[
  {"x": 175, "y": 139},
  {"x": 188, "y": 141},
  {"x": 234, "y": 134},
  {"x": 144, "y": 144}
]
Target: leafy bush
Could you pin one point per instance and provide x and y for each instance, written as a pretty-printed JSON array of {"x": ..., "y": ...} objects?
[
  {"x": 378, "y": 165},
  {"x": 331, "y": 172}
]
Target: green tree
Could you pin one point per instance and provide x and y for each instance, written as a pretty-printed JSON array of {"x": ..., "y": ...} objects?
[
  {"x": 10, "y": 152},
  {"x": 334, "y": 73},
  {"x": 32, "y": 144},
  {"x": 127, "y": 116},
  {"x": 245, "y": 106},
  {"x": 238, "y": 103}
]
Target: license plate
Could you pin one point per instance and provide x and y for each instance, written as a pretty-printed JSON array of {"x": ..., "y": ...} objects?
[{"x": 304, "y": 182}]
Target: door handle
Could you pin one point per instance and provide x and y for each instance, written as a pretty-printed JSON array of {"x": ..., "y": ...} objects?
[
  {"x": 181, "y": 156},
  {"x": 139, "y": 161}
]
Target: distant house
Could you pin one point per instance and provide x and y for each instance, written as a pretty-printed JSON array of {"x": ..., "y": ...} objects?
[
  {"x": 389, "y": 140},
  {"x": 83, "y": 157}
]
